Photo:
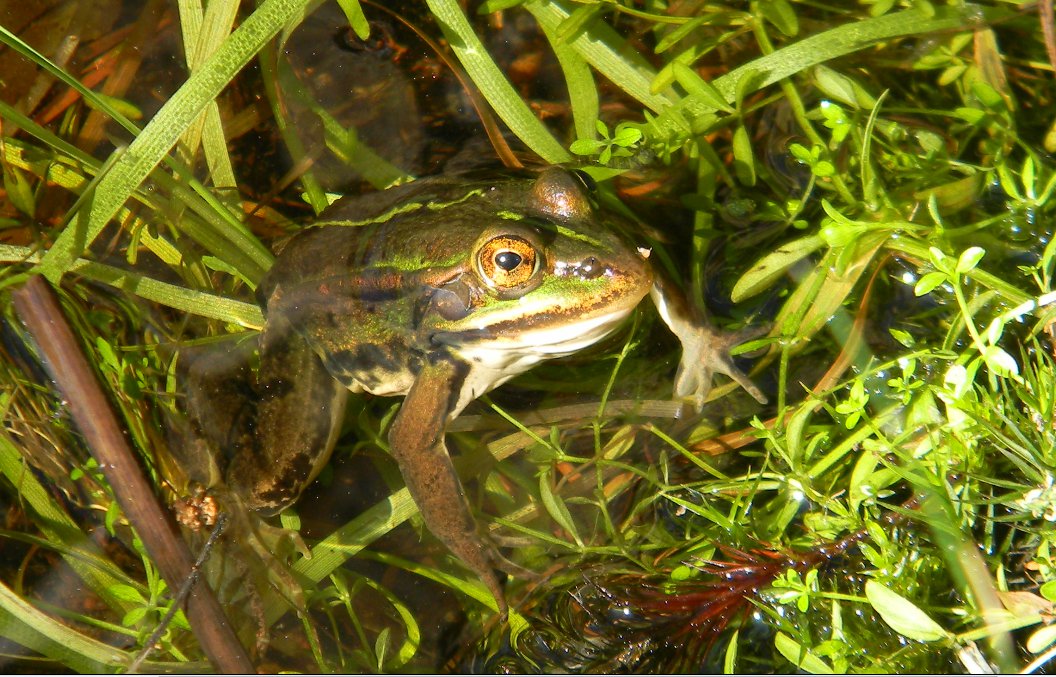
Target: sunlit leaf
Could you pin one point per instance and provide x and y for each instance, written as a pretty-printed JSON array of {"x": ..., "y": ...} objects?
[
  {"x": 773, "y": 265},
  {"x": 356, "y": 19},
  {"x": 743, "y": 159},
  {"x": 781, "y": 14},
  {"x": 556, "y": 507},
  {"x": 903, "y": 616},
  {"x": 1041, "y": 639},
  {"x": 698, "y": 87},
  {"x": 928, "y": 283},
  {"x": 802, "y": 658},
  {"x": 969, "y": 259}
]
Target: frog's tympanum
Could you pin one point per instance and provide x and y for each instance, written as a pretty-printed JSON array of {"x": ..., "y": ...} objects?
[{"x": 439, "y": 291}]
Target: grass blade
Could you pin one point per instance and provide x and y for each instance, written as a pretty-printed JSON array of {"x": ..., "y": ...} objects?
[
  {"x": 159, "y": 136},
  {"x": 602, "y": 47},
  {"x": 196, "y": 302},
  {"x": 503, "y": 98}
]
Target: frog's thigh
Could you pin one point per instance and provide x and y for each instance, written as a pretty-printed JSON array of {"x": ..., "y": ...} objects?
[
  {"x": 297, "y": 422},
  {"x": 417, "y": 441}
]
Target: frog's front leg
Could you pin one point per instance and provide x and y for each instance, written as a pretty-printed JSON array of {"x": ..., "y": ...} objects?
[
  {"x": 417, "y": 442},
  {"x": 705, "y": 349}
]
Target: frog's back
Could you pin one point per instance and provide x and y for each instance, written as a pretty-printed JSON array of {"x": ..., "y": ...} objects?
[{"x": 399, "y": 230}]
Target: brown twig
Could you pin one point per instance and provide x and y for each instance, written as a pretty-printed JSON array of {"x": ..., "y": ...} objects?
[
  {"x": 39, "y": 310},
  {"x": 181, "y": 596},
  {"x": 1048, "y": 32}
]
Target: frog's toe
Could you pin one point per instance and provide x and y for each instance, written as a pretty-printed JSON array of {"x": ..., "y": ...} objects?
[{"x": 709, "y": 353}]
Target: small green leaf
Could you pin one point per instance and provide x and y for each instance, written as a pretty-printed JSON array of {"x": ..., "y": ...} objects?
[
  {"x": 290, "y": 520},
  {"x": 905, "y": 617},
  {"x": 1042, "y": 639},
  {"x": 881, "y": 7},
  {"x": 356, "y": 19},
  {"x": 929, "y": 282},
  {"x": 772, "y": 266},
  {"x": 952, "y": 74},
  {"x": 490, "y": 6},
  {"x": 19, "y": 191},
  {"x": 586, "y": 146},
  {"x": 781, "y": 15},
  {"x": 577, "y": 21},
  {"x": 749, "y": 83},
  {"x": 106, "y": 353},
  {"x": 699, "y": 88},
  {"x": 987, "y": 95},
  {"x": 1000, "y": 361},
  {"x": 381, "y": 647},
  {"x": 677, "y": 34},
  {"x": 1008, "y": 181},
  {"x": 681, "y": 573},
  {"x": 970, "y": 115},
  {"x": 627, "y": 135},
  {"x": 861, "y": 489},
  {"x": 113, "y": 511},
  {"x": 970, "y": 259},
  {"x": 824, "y": 169},
  {"x": 1028, "y": 176},
  {"x": 123, "y": 107},
  {"x": 802, "y": 658},
  {"x": 729, "y": 661},
  {"x": 134, "y": 616},
  {"x": 796, "y": 429},
  {"x": 556, "y": 507},
  {"x": 841, "y": 235},
  {"x": 801, "y": 153},
  {"x": 126, "y": 593},
  {"x": 835, "y": 85},
  {"x": 743, "y": 160},
  {"x": 954, "y": 195},
  {"x": 903, "y": 337}
]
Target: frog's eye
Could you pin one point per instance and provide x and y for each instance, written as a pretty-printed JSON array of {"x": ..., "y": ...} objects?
[{"x": 507, "y": 261}]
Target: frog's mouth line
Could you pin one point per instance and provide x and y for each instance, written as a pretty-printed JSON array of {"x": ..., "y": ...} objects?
[{"x": 524, "y": 348}]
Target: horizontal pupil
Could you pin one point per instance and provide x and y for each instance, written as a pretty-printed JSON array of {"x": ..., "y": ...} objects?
[{"x": 507, "y": 260}]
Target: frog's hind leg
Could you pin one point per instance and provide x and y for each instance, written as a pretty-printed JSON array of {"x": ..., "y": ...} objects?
[
  {"x": 417, "y": 441},
  {"x": 295, "y": 424}
]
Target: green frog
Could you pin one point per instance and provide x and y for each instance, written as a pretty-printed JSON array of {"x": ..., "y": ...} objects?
[{"x": 439, "y": 291}]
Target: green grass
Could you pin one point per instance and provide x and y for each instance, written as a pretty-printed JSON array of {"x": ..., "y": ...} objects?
[{"x": 873, "y": 178}]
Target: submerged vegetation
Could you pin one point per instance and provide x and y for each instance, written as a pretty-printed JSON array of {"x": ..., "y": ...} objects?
[{"x": 870, "y": 179}]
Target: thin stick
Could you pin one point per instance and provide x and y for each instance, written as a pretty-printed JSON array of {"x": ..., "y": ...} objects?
[
  {"x": 181, "y": 596},
  {"x": 39, "y": 310}
]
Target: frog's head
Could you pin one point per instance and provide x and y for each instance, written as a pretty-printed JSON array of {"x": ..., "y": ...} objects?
[{"x": 548, "y": 277}]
